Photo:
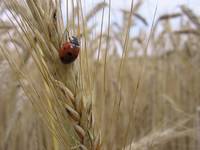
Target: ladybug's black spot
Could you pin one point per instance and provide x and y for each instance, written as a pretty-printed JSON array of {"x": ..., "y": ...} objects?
[
  {"x": 69, "y": 53},
  {"x": 68, "y": 58}
]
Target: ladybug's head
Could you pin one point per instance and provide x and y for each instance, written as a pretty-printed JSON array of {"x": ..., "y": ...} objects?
[{"x": 74, "y": 40}]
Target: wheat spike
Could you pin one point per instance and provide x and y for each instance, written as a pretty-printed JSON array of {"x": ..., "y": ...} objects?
[{"x": 58, "y": 96}]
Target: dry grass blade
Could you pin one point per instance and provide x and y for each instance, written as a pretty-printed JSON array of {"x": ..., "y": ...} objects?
[
  {"x": 95, "y": 10},
  {"x": 4, "y": 25},
  {"x": 136, "y": 15},
  {"x": 166, "y": 17},
  {"x": 158, "y": 138},
  {"x": 193, "y": 17},
  {"x": 188, "y": 31},
  {"x": 169, "y": 16},
  {"x": 140, "y": 17}
]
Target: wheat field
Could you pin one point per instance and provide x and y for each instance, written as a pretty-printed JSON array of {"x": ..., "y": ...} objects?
[{"x": 123, "y": 92}]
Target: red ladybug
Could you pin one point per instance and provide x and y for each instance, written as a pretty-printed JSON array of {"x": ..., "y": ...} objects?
[{"x": 69, "y": 50}]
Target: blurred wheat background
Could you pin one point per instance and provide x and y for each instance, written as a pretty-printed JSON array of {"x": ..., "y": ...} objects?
[{"x": 135, "y": 84}]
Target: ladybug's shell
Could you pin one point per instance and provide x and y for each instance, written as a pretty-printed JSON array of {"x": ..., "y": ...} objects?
[{"x": 68, "y": 52}]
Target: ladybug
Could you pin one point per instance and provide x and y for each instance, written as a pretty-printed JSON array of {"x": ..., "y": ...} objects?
[{"x": 69, "y": 50}]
